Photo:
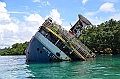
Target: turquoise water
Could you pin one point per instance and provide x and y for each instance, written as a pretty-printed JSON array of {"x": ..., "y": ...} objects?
[{"x": 101, "y": 67}]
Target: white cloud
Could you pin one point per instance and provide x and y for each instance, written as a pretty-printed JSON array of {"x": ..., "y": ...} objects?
[
  {"x": 2, "y": 7},
  {"x": 84, "y": 1},
  {"x": 93, "y": 18},
  {"x": 115, "y": 16},
  {"x": 13, "y": 12},
  {"x": 14, "y": 31},
  {"x": 90, "y": 16},
  {"x": 33, "y": 21},
  {"x": 111, "y": 0},
  {"x": 107, "y": 7},
  {"x": 55, "y": 15},
  {"x": 45, "y": 3},
  {"x": 90, "y": 13},
  {"x": 5, "y": 21},
  {"x": 96, "y": 20},
  {"x": 34, "y": 17},
  {"x": 36, "y": 0},
  {"x": 40, "y": 6},
  {"x": 3, "y": 12}
]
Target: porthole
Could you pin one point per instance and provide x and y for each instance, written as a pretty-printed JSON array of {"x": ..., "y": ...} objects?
[
  {"x": 58, "y": 54},
  {"x": 40, "y": 51},
  {"x": 37, "y": 49}
]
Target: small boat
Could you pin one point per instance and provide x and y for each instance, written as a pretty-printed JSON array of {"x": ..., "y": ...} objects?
[{"x": 52, "y": 43}]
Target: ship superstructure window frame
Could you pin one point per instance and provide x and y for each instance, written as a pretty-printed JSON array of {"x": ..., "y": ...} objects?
[
  {"x": 55, "y": 40},
  {"x": 51, "y": 37},
  {"x": 43, "y": 31},
  {"x": 62, "y": 46}
]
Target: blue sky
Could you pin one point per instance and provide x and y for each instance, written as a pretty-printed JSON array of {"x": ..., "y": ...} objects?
[{"x": 20, "y": 19}]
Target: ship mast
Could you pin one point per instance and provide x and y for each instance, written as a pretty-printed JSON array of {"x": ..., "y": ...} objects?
[{"x": 78, "y": 27}]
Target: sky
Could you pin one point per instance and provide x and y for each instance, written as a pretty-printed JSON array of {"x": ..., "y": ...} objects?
[{"x": 20, "y": 19}]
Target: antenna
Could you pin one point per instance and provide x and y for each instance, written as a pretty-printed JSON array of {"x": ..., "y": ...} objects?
[{"x": 70, "y": 24}]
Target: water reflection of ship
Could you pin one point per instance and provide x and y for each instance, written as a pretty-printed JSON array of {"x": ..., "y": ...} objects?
[{"x": 53, "y": 43}]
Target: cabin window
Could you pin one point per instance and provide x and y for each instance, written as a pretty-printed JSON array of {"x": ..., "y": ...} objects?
[
  {"x": 51, "y": 37},
  {"x": 43, "y": 32},
  {"x": 63, "y": 47},
  {"x": 60, "y": 44}
]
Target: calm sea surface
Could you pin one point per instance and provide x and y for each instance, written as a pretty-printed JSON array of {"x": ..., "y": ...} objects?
[{"x": 101, "y": 67}]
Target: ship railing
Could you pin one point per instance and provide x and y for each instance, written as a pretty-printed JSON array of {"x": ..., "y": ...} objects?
[
  {"x": 66, "y": 35},
  {"x": 78, "y": 45},
  {"x": 85, "y": 47},
  {"x": 84, "y": 50},
  {"x": 61, "y": 31},
  {"x": 48, "y": 22},
  {"x": 53, "y": 24},
  {"x": 80, "y": 50}
]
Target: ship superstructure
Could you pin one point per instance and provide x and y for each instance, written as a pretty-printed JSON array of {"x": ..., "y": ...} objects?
[{"x": 53, "y": 43}]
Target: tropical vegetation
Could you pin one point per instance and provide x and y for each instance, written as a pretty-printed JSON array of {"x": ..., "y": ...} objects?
[
  {"x": 104, "y": 37},
  {"x": 16, "y": 49}
]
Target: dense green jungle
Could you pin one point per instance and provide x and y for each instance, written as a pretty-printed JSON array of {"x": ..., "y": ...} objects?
[{"x": 103, "y": 39}]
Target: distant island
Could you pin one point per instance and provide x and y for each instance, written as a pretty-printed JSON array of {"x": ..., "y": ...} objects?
[{"x": 102, "y": 39}]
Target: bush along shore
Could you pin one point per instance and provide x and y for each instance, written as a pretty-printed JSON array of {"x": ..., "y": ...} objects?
[
  {"x": 16, "y": 49},
  {"x": 101, "y": 39}
]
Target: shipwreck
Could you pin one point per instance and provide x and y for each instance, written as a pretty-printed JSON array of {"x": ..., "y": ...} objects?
[{"x": 53, "y": 43}]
